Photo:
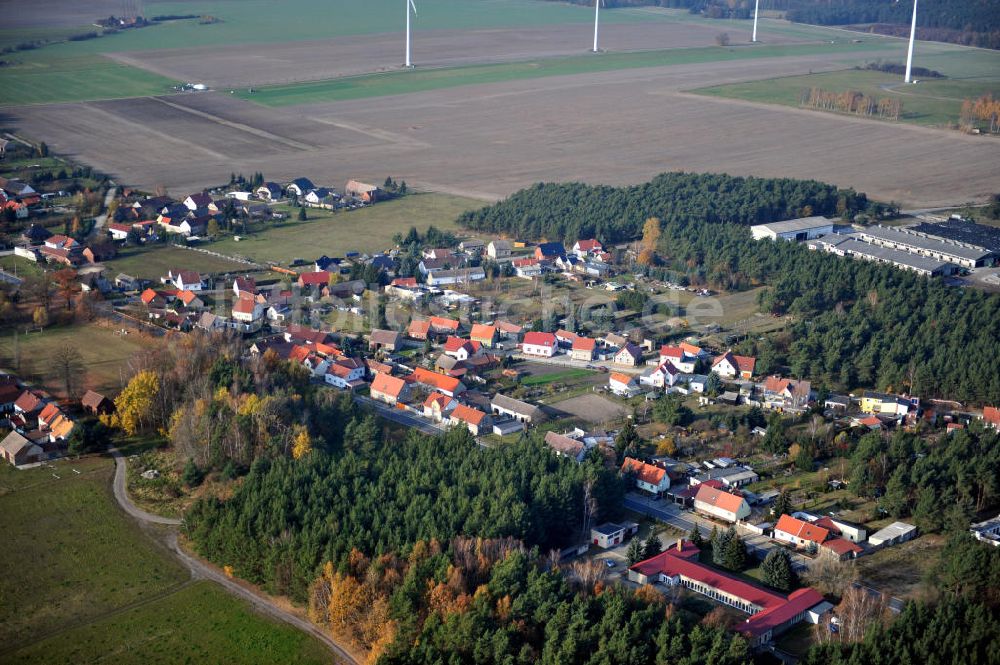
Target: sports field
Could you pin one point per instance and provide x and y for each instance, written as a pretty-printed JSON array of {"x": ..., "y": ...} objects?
[
  {"x": 932, "y": 102},
  {"x": 366, "y": 230}
]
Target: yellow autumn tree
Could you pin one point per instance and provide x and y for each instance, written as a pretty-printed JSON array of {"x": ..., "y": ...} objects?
[
  {"x": 302, "y": 444},
  {"x": 134, "y": 405},
  {"x": 650, "y": 239}
]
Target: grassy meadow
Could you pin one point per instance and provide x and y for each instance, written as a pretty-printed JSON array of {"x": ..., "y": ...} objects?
[
  {"x": 368, "y": 229},
  {"x": 932, "y": 102},
  {"x": 155, "y": 261}
]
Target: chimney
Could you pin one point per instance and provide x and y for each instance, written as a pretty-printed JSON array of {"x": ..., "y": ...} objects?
[{"x": 680, "y": 544}]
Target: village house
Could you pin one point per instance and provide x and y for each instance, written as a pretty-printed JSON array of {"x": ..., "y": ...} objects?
[
  {"x": 461, "y": 349},
  {"x": 629, "y": 355},
  {"x": 438, "y": 406},
  {"x": 389, "y": 389},
  {"x": 65, "y": 250},
  {"x": 647, "y": 477},
  {"x": 346, "y": 373},
  {"x": 17, "y": 449},
  {"x": 433, "y": 381},
  {"x": 684, "y": 361},
  {"x": 385, "y": 340},
  {"x": 314, "y": 280},
  {"x": 529, "y": 414},
  {"x": 248, "y": 313},
  {"x": 715, "y": 502},
  {"x": 788, "y": 394},
  {"x": 485, "y": 335},
  {"x": 321, "y": 197},
  {"x": 185, "y": 280},
  {"x": 190, "y": 300},
  {"x": 540, "y": 344},
  {"x": 418, "y": 329},
  {"x": 498, "y": 249},
  {"x": 96, "y": 404},
  {"x": 732, "y": 366},
  {"x": 565, "y": 446},
  {"x": 441, "y": 325},
  {"x": 770, "y": 613},
  {"x": 549, "y": 251},
  {"x": 527, "y": 268},
  {"x": 887, "y": 405},
  {"x": 623, "y": 385},
  {"x": 448, "y": 277},
  {"x": 610, "y": 534},
  {"x": 300, "y": 186},
  {"x": 362, "y": 191},
  {"x": 587, "y": 248},
  {"x": 244, "y": 286},
  {"x": 565, "y": 338},
  {"x": 475, "y": 420},
  {"x": 472, "y": 246},
  {"x": 991, "y": 417},
  {"x": 799, "y": 533},
  {"x": 196, "y": 201},
  {"x": 269, "y": 191},
  {"x": 663, "y": 376},
  {"x": 583, "y": 349}
]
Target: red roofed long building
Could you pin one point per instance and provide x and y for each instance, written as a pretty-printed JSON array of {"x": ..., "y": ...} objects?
[
  {"x": 771, "y": 613},
  {"x": 448, "y": 385},
  {"x": 539, "y": 344},
  {"x": 647, "y": 477}
]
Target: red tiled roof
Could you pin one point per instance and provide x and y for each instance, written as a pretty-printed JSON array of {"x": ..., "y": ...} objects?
[
  {"x": 565, "y": 334},
  {"x": 745, "y": 363},
  {"x": 718, "y": 498},
  {"x": 690, "y": 348},
  {"x": 453, "y": 344},
  {"x": 419, "y": 328},
  {"x": 410, "y": 282},
  {"x": 187, "y": 297},
  {"x": 647, "y": 473},
  {"x": 442, "y": 323},
  {"x": 671, "y": 351},
  {"x": 802, "y": 529},
  {"x": 584, "y": 344},
  {"x": 991, "y": 414},
  {"x": 468, "y": 414},
  {"x": 28, "y": 401},
  {"x": 483, "y": 331},
  {"x": 299, "y": 353},
  {"x": 842, "y": 546},
  {"x": 387, "y": 385},
  {"x": 587, "y": 245},
  {"x": 540, "y": 339},
  {"x": 439, "y": 399},
  {"x": 776, "y": 384},
  {"x": 244, "y": 306},
  {"x": 620, "y": 378},
  {"x": 49, "y": 413},
  {"x": 435, "y": 380},
  {"x": 319, "y": 278}
]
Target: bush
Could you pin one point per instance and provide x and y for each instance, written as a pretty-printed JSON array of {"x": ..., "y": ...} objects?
[{"x": 192, "y": 475}]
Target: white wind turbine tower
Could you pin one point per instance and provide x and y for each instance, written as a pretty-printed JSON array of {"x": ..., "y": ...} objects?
[
  {"x": 756, "y": 9},
  {"x": 597, "y": 20},
  {"x": 909, "y": 51},
  {"x": 409, "y": 5}
]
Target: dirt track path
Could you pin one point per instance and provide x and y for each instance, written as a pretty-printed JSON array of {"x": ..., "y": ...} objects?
[{"x": 202, "y": 570}]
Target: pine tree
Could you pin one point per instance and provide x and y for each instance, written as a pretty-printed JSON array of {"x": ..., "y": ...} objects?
[
  {"x": 652, "y": 546},
  {"x": 777, "y": 570},
  {"x": 734, "y": 551},
  {"x": 634, "y": 553},
  {"x": 192, "y": 475},
  {"x": 627, "y": 441},
  {"x": 695, "y": 537},
  {"x": 782, "y": 504}
]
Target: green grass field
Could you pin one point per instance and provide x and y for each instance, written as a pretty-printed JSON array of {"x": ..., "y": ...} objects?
[
  {"x": 369, "y": 229},
  {"x": 568, "y": 375},
  {"x": 198, "y": 624},
  {"x": 79, "y": 557},
  {"x": 418, "y": 80},
  {"x": 72, "y": 79},
  {"x": 91, "y": 586},
  {"x": 20, "y": 266},
  {"x": 103, "y": 352},
  {"x": 932, "y": 102},
  {"x": 154, "y": 261}
]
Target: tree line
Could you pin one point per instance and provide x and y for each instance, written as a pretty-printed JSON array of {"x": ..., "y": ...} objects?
[
  {"x": 852, "y": 101},
  {"x": 853, "y": 323}
]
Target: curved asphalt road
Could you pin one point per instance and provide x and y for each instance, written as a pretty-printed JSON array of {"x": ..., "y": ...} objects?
[{"x": 201, "y": 570}]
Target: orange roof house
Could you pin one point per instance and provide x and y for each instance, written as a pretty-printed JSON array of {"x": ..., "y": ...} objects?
[
  {"x": 799, "y": 532},
  {"x": 445, "y": 384},
  {"x": 647, "y": 476},
  {"x": 388, "y": 388},
  {"x": 721, "y": 504}
]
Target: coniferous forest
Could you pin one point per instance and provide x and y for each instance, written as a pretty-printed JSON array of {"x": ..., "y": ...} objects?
[{"x": 853, "y": 323}]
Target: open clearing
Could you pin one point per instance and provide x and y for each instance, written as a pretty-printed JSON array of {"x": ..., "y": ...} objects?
[
  {"x": 100, "y": 589},
  {"x": 154, "y": 262},
  {"x": 369, "y": 229},
  {"x": 200, "y": 623},
  {"x": 590, "y": 408},
  {"x": 104, "y": 355}
]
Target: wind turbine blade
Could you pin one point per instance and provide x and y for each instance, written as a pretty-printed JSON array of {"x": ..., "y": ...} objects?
[{"x": 414, "y": 7}]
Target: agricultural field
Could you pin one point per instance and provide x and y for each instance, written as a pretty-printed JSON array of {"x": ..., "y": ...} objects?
[
  {"x": 368, "y": 229},
  {"x": 104, "y": 354},
  {"x": 199, "y": 623},
  {"x": 154, "y": 262},
  {"x": 932, "y": 102}
]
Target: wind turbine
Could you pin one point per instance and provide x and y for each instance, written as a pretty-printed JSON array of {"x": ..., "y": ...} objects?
[
  {"x": 909, "y": 51},
  {"x": 597, "y": 20},
  {"x": 408, "y": 4},
  {"x": 756, "y": 9}
]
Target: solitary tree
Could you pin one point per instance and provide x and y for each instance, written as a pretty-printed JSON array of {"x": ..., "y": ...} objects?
[
  {"x": 67, "y": 366},
  {"x": 634, "y": 552},
  {"x": 302, "y": 215},
  {"x": 782, "y": 504},
  {"x": 777, "y": 570}
]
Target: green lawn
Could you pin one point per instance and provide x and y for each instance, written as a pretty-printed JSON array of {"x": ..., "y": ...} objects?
[
  {"x": 77, "y": 555},
  {"x": 568, "y": 375},
  {"x": 155, "y": 261},
  {"x": 369, "y": 229},
  {"x": 198, "y": 624},
  {"x": 20, "y": 266},
  {"x": 87, "y": 77},
  {"x": 417, "y": 80},
  {"x": 104, "y": 354},
  {"x": 932, "y": 102}
]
